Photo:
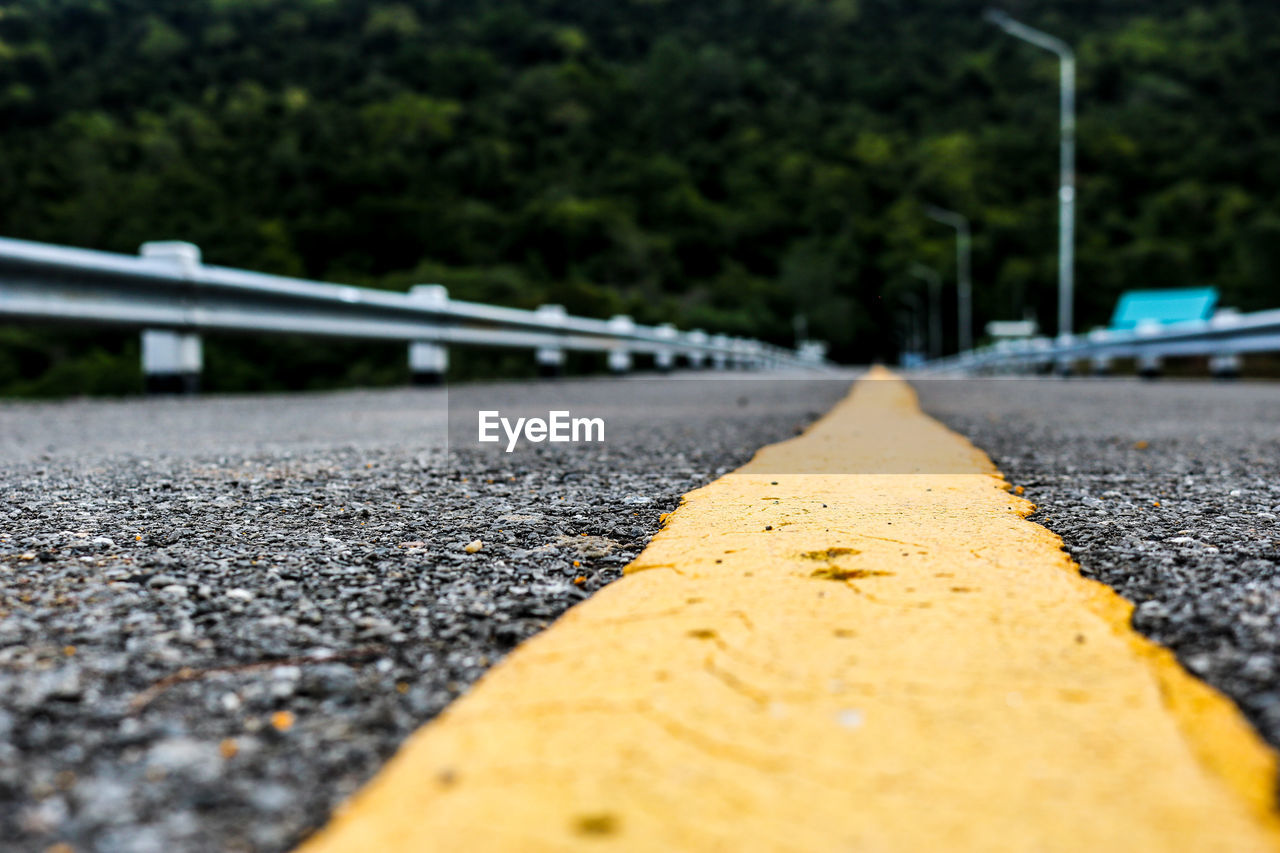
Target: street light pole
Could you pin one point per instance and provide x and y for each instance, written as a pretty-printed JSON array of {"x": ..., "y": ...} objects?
[
  {"x": 934, "y": 281},
  {"x": 964, "y": 286},
  {"x": 1067, "y": 178}
]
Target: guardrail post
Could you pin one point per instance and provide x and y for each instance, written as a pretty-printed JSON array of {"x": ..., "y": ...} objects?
[
  {"x": 695, "y": 356},
  {"x": 1064, "y": 365},
  {"x": 1099, "y": 365},
  {"x": 620, "y": 355},
  {"x": 428, "y": 361},
  {"x": 551, "y": 359},
  {"x": 172, "y": 360},
  {"x": 665, "y": 359},
  {"x": 754, "y": 357},
  {"x": 812, "y": 352},
  {"x": 1150, "y": 364},
  {"x": 720, "y": 357},
  {"x": 1225, "y": 365}
]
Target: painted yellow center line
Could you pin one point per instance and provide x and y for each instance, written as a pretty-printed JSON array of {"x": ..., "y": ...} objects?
[{"x": 888, "y": 660}]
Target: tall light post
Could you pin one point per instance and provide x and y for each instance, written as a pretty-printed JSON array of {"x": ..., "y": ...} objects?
[
  {"x": 934, "y": 282},
  {"x": 964, "y": 286},
  {"x": 1067, "y": 178}
]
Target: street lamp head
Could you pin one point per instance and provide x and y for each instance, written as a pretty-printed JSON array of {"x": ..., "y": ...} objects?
[
  {"x": 1019, "y": 30},
  {"x": 947, "y": 217},
  {"x": 999, "y": 17}
]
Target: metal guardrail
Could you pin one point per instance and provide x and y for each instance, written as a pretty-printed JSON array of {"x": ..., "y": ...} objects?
[
  {"x": 168, "y": 289},
  {"x": 1223, "y": 338}
]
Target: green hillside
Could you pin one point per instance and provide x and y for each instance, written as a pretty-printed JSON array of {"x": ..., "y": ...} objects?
[{"x": 720, "y": 163}]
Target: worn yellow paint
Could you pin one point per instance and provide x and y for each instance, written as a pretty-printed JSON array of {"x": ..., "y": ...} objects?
[{"x": 902, "y": 662}]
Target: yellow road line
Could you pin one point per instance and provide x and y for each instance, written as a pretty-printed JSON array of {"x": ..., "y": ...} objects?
[{"x": 818, "y": 661}]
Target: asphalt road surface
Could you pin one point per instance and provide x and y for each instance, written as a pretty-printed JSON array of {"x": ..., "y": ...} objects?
[
  {"x": 1169, "y": 491},
  {"x": 219, "y": 616}
]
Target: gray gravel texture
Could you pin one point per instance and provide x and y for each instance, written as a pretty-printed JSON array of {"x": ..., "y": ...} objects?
[
  {"x": 1168, "y": 491},
  {"x": 218, "y": 617}
]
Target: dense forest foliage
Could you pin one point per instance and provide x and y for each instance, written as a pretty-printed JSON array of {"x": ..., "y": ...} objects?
[{"x": 720, "y": 163}]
